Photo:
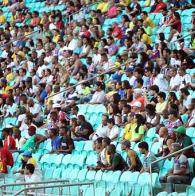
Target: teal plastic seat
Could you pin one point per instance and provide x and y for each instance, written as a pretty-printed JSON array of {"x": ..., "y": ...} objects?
[
  {"x": 79, "y": 160},
  {"x": 82, "y": 175},
  {"x": 79, "y": 146},
  {"x": 57, "y": 173},
  {"x": 66, "y": 160},
  {"x": 190, "y": 132},
  {"x": 91, "y": 175},
  {"x": 116, "y": 191},
  {"x": 74, "y": 174},
  {"x": 57, "y": 160},
  {"x": 150, "y": 134},
  {"x": 88, "y": 146},
  {"x": 91, "y": 160},
  {"x": 191, "y": 164},
  {"x": 184, "y": 118},
  {"x": 100, "y": 108},
  {"x": 48, "y": 173},
  {"x": 83, "y": 108},
  {"x": 66, "y": 173},
  {"x": 154, "y": 148},
  {"x": 168, "y": 164},
  {"x": 164, "y": 193},
  {"x": 98, "y": 176}
]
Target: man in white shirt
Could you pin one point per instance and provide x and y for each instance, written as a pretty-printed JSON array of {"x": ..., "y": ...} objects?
[
  {"x": 185, "y": 79},
  {"x": 99, "y": 95},
  {"x": 102, "y": 129},
  {"x": 175, "y": 80}
]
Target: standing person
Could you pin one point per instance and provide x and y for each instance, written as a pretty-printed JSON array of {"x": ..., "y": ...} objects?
[
  {"x": 116, "y": 161},
  {"x": 5, "y": 158},
  {"x": 134, "y": 162},
  {"x": 9, "y": 142},
  {"x": 67, "y": 144},
  {"x": 179, "y": 172},
  {"x": 148, "y": 158}
]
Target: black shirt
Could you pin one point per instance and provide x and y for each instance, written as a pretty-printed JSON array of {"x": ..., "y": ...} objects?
[
  {"x": 66, "y": 142},
  {"x": 85, "y": 126}
]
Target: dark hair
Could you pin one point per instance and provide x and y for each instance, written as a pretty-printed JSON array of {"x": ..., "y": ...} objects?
[
  {"x": 185, "y": 91},
  {"x": 99, "y": 140},
  {"x": 30, "y": 167},
  {"x": 162, "y": 95},
  {"x": 173, "y": 95},
  {"x": 115, "y": 108},
  {"x": 143, "y": 145},
  {"x": 126, "y": 84},
  {"x": 112, "y": 147},
  {"x": 54, "y": 131},
  {"x": 111, "y": 121},
  {"x": 7, "y": 130},
  {"x": 151, "y": 108},
  {"x": 140, "y": 121},
  {"x": 145, "y": 13},
  {"x": 140, "y": 80},
  {"x": 161, "y": 37},
  {"x": 154, "y": 88},
  {"x": 107, "y": 140},
  {"x": 116, "y": 98}
]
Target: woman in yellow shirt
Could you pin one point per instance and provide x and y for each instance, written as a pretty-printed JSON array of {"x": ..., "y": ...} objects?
[
  {"x": 144, "y": 37},
  {"x": 134, "y": 131}
]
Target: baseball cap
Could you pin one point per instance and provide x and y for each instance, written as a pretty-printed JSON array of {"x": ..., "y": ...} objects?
[
  {"x": 27, "y": 153},
  {"x": 180, "y": 129},
  {"x": 32, "y": 128},
  {"x": 126, "y": 143},
  {"x": 176, "y": 146}
]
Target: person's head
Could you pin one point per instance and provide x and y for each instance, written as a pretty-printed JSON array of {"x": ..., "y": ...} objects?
[
  {"x": 180, "y": 132},
  {"x": 53, "y": 115},
  {"x": 16, "y": 133},
  {"x": 97, "y": 144},
  {"x": 163, "y": 132},
  {"x": 137, "y": 93},
  {"x": 81, "y": 119},
  {"x": 161, "y": 97},
  {"x": 53, "y": 132},
  {"x": 105, "y": 142},
  {"x": 63, "y": 131},
  {"x": 99, "y": 86},
  {"x": 125, "y": 145},
  {"x": 32, "y": 130},
  {"x": 173, "y": 115},
  {"x": 111, "y": 123},
  {"x": 30, "y": 102},
  {"x": 111, "y": 149},
  {"x": 143, "y": 147},
  {"x": 73, "y": 122},
  {"x": 184, "y": 92},
  {"x": 182, "y": 71},
  {"x": 29, "y": 169},
  {"x": 150, "y": 109},
  {"x": 6, "y": 132},
  {"x": 27, "y": 155},
  {"x": 154, "y": 90},
  {"x": 104, "y": 119},
  {"x": 144, "y": 15},
  {"x": 140, "y": 82},
  {"x": 75, "y": 110}
]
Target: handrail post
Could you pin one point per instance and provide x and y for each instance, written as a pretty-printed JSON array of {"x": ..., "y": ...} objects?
[
  {"x": 93, "y": 189},
  {"x": 151, "y": 188}
]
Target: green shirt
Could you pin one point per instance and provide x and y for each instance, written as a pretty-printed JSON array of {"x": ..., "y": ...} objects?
[
  {"x": 118, "y": 162},
  {"x": 30, "y": 144}
]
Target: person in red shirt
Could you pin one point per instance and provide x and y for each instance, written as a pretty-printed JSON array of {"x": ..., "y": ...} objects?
[
  {"x": 9, "y": 142},
  {"x": 6, "y": 158}
]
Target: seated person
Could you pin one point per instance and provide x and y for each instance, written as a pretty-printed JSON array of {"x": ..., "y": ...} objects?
[
  {"x": 148, "y": 158},
  {"x": 116, "y": 161},
  {"x": 30, "y": 175},
  {"x": 27, "y": 159},
  {"x": 67, "y": 144},
  {"x": 134, "y": 163},
  {"x": 83, "y": 130},
  {"x": 179, "y": 172}
]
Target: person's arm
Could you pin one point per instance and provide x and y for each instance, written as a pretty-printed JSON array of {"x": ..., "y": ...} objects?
[
  {"x": 69, "y": 150},
  {"x": 132, "y": 157},
  {"x": 142, "y": 170},
  {"x": 39, "y": 139}
]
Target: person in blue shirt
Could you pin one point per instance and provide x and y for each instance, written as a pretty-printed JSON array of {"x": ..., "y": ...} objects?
[
  {"x": 41, "y": 94},
  {"x": 55, "y": 140}
]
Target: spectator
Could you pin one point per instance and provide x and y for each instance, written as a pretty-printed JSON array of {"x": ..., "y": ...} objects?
[
  {"x": 83, "y": 130},
  {"x": 161, "y": 105},
  {"x": 99, "y": 95},
  {"x": 148, "y": 158},
  {"x": 6, "y": 158},
  {"x": 179, "y": 172},
  {"x": 9, "y": 142},
  {"x": 55, "y": 140},
  {"x": 30, "y": 175},
  {"x": 116, "y": 160},
  {"x": 113, "y": 130},
  {"x": 134, "y": 162},
  {"x": 67, "y": 144}
]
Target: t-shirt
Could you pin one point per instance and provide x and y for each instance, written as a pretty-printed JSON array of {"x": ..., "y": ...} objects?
[
  {"x": 66, "y": 142},
  {"x": 148, "y": 160},
  {"x": 9, "y": 143},
  {"x": 118, "y": 162},
  {"x": 55, "y": 143},
  {"x": 43, "y": 95},
  {"x": 131, "y": 153},
  {"x": 180, "y": 161},
  {"x": 160, "y": 107},
  {"x": 29, "y": 144},
  {"x": 85, "y": 126}
]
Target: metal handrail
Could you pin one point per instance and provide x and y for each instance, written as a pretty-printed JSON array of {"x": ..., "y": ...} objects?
[
  {"x": 2, "y": 187},
  {"x": 192, "y": 33},
  {"x": 56, "y": 186},
  {"x": 166, "y": 157}
]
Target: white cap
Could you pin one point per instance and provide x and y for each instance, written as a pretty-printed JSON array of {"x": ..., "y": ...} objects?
[
  {"x": 56, "y": 105},
  {"x": 136, "y": 104}
]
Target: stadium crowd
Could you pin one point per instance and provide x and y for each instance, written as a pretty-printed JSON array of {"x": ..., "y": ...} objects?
[{"x": 112, "y": 54}]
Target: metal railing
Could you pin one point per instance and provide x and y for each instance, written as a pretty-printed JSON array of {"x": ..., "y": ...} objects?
[
  {"x": 163, "y": 158},
  {"x": 61, "y": 186},
  {"x": 3, "y": 186}
]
